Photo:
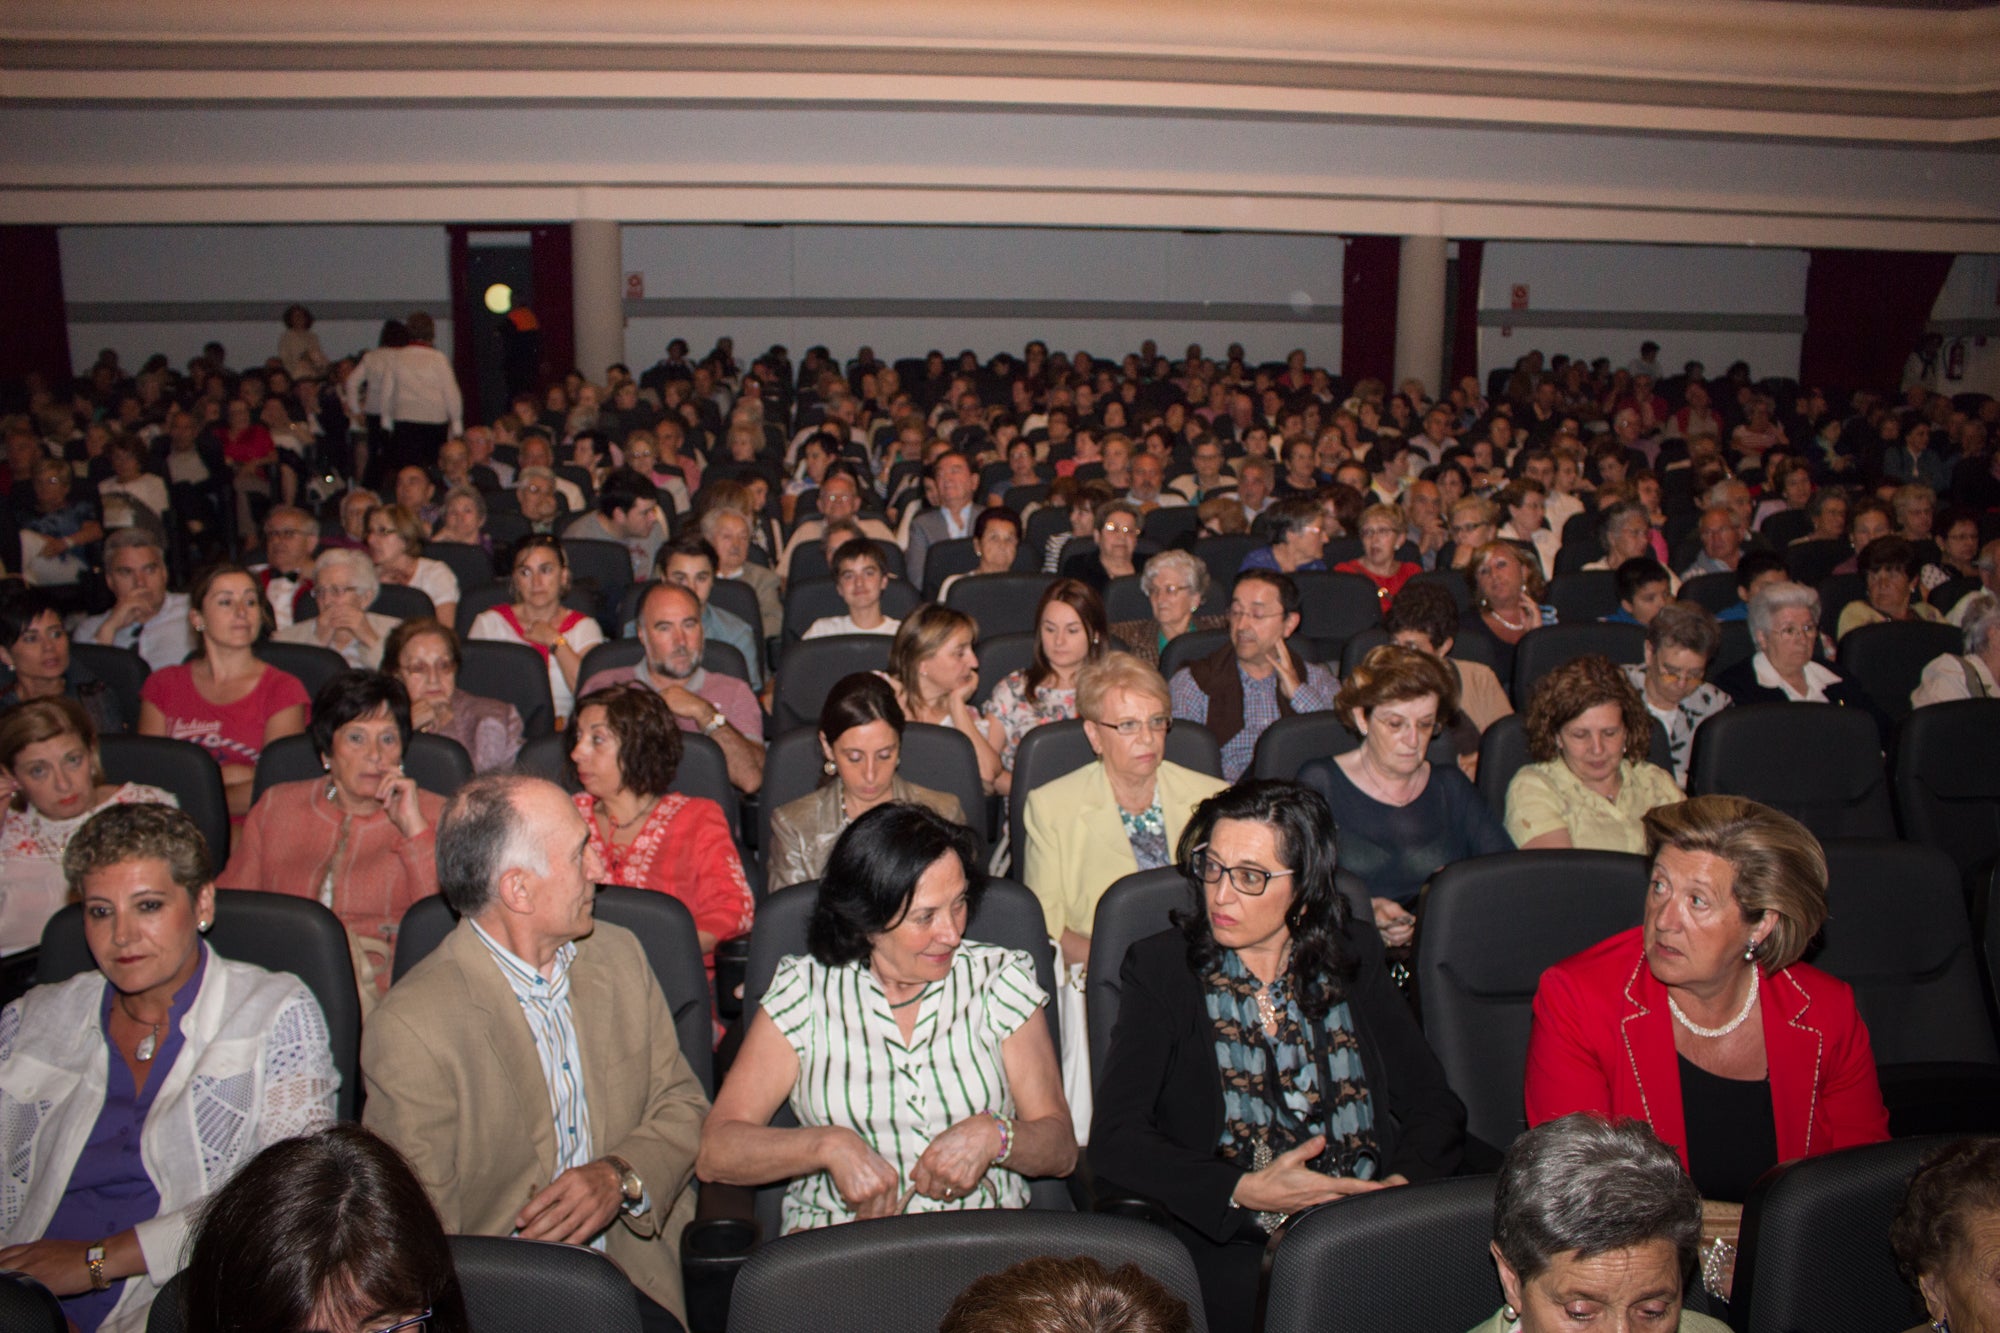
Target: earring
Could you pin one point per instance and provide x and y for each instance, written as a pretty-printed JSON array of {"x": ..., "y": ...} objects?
[
  {"x": 1940, "y": 1325},
  {"x": 1750, "y": 951},
  {"x": 1509, "y": 1315},
  {"x": 828, "y": 766},
  {"x": 203, "y": 927}
]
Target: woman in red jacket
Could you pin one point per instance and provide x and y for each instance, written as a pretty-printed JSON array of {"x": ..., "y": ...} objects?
[{"x": 1704, "y": 1023}]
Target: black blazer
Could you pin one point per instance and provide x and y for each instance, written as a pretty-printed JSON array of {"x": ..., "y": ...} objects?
[
  {"x": 1740, "y": 684},
  {"x": 1158, "y": 1111}
]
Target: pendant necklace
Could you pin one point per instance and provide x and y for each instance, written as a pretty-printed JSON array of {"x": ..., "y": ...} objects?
[{"x": 148, "y": 1043}]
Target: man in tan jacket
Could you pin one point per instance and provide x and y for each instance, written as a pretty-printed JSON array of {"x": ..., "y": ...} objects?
[{"x": 528, "y": 1068}]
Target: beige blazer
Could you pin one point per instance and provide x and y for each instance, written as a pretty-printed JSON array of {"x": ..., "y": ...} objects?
[
  {"x": 453, "y": 1081},
  {"x": 1077, "y": 845}
]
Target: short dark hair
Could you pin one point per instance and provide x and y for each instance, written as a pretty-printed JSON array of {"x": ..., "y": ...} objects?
[
  {"x": 649, "y": 739},
  {"x": 336, "y": 1218},
  {"x": 20, "y": 607},
  {"x": 1756, "y": 564},
  {"x": 872, "y": 874},
  {"x": 688, "y": 543},
  {"x": 1640, "y": 571},
  {"x": 1052, "y": 1295},
  {"x": 358, "y": 694},
  {"x": 624, "y": 488},
  {"x": 993, "y": 514},
  {"x": 1891, "y": 552},
  {"x": 856, "y": 701},
  {"x": 857, "y": 550},
  {"x": 1288, "y": 591},
  {"x": 1424, "y": 608},
  {"x": 416, "y": 628}
]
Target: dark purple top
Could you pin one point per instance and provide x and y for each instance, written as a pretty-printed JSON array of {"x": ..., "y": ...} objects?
[{"x": 109, "y": 1191}]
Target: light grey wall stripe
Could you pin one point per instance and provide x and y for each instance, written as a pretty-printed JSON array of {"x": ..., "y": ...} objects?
[
  {"x": 1657, "y": 320},
  {"x": 807, "y": 307},
  {"x": 241, "y": 312}
]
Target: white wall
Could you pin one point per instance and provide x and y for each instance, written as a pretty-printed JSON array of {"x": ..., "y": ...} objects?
[
  {"x": 194, "y": 284},
  {"x": 1698, "y": 292},
  {"x": 988, "y": 288},
  {"x": 1968, "y": 310}
]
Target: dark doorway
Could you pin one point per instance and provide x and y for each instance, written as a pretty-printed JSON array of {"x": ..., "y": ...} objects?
[{"x": 499, "y": 271}]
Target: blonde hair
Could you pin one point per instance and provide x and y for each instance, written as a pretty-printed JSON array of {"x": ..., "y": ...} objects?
[
  {"x": 1780, "y": 866},
  {"x": 923, "y": 634},
  {"x": 1118, "y": 671}
]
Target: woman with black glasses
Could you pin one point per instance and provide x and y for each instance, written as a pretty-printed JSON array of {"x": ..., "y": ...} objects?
[{"x": 1263, "y": 1061}]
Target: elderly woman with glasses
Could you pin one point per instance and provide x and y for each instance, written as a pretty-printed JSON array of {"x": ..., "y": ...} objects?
[
  {"x": 1383, "y": 529},
  {"x": 1115, "y": 817},
  {"x": 1263, "y": 1061},
  {"x": 425, "y": 656},
  {"x": 1175, "y": 583},
  {"x": 344, "y": 586},
  {"x": 1784, "y": 624},
  {"x": 1117, "y": 527},
  {"x": 1889, "y": 567}
]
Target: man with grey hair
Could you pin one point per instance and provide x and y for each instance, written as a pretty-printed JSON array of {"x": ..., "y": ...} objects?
[
  {"x": 1973, "y": 674},
  {"x": 290, "y": 534},
  {"x": 145, "y": 617},
  {"x": 528, "y": 1068}
]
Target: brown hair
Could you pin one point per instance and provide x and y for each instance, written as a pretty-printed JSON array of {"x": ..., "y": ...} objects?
[
  {"x": 36, "y": 720},
  {"x": 406, "y": 525},
  {"x": 1051, "y": 1295},
  {"x": 198, "y": 593},
  {"x": 1955, "y": 1182},
  {"x": 649, "y": 739},
  {"x": 1576, "y": 687},
  {"x": 925, "y": 631},
  {"x": 1531, "y": 567},
  {"x": 1779, "y": 865},
  {"x": 400, "y": 637},
  {"x": 1393, "y": 674},
  {"x": 1089, "y": 607}
]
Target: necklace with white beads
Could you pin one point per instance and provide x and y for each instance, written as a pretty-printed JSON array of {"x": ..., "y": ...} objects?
[{"x": 1749, "y": 1003}]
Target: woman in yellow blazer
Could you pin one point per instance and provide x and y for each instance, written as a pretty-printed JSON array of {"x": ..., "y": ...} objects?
[{"x": 1115, "y": 817}]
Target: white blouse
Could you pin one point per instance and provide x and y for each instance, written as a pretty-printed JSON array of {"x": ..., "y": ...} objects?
[
  {"x": 32, "y": 884},
  {"x": 582, "y": 636}
]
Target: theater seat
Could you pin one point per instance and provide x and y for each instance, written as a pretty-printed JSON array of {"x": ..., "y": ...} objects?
[
  {"x": 181, "y": 767},
  {"x": 1888, "y": 660},
  {"x": 1543, "y": 650},
  {"x": 1819, "y": 763},
  {"x": 530, "y": 1286},
  {"x": 811, "y": 667},
  {"x": 438, "y": 763},
  {"x": 1001, "y": 603},
  {"x": 26, "y": 1306},
  {"x": 1056, "y": 748}
]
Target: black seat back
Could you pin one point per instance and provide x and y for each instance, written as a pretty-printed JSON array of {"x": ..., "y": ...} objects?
[
  {"x": 1888, "y": 660},
  {"x": 1001, "y": 603},
  {"x": 529, "y": 1286},
  {"x": 123, "y": 672},
  {"x": 181, "y": 767},
  {"x": 811, "y": 668},
  {"x": 1947, "y": 785},
  {"x": 1490, "y": 927},
  {"x": 1503, "y": 752},
  {"x": 1819, "y": 763},
  {"x": 1336, "y": 607},
  {"x": 512, "y": 673},
  {"x": 275, "y": 931},
  {"x": 1543, "y": 650},
  {"x": 811, "y": 599},
  {"x": 312, "y": 665},
  {"x": 438, "y": 763},
  {"x": 1584, "y": 596}
]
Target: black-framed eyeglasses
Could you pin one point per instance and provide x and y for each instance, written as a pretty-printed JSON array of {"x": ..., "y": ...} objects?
[
  {"x": 414, "y": 1321},
  {"x": 1248, "y": 880}
]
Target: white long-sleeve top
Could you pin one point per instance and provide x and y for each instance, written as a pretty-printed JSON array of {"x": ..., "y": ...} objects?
[
  {"x": 362, "y": 391},
  {"x": 420, "y": 386},
  {"x": 255, "y": 1067}
]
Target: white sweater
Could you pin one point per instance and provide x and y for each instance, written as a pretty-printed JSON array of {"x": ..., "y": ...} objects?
[{"x": 255, "y": 1067}]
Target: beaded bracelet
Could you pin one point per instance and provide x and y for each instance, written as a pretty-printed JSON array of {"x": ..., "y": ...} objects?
[{"x": 1006, "y": 1137}]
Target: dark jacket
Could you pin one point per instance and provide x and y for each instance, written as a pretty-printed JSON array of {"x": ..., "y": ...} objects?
[{"x": 1159, "y": 1096}]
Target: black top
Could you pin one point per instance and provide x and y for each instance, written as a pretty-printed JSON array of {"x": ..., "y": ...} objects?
[
  {"x": 1396, "y": 848},
  {"x": 1158, "y": 1114},
  {"x": 1732, "y": 1135}
]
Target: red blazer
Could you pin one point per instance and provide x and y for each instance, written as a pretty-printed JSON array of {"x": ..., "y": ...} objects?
[{"x": 1604, "y": 1041}]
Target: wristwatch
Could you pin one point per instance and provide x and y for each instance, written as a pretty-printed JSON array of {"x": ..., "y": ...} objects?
[
  {"x": 714, "y": 724},
  {"x": 93, "y": 1257},
  {"x": 629, "y": 1184}
]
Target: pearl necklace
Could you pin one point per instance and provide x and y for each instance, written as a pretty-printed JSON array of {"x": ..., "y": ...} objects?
[{"x": 1749, "y": 1001}]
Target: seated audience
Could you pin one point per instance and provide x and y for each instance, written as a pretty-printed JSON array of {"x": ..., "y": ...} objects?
[
  {"x": 626, "y": 747},
  {"x": 538, "y": 618},
  {"x": 688, "y": 560},
  {"x": 1117, "y": 527},
  {"x": 839, "y": 498},
  {"x": 1070, "y": 634},
  {"x": 396, "y": 544},
  {"x": 1722, "y": 535},
  {"x": 1590, "y": 784},
  {"x": 890, "y": 1122},
  {"x": 1383, "y": 529},
  {"x": 950, "y": 474},
  {"x": 462, "y": 1060},
  {"x": 1263, "y": 1061},
  {"x": 1175, "y": 583},
  {"x": 1680, "y": 644},
  {"x": 1425, "y": 618},
  {"x": 344, "y": 587},
  {"x": 628, "y": 515},
  {"x": 1889, "y": 566},
  {"x": 1524, "y": 504},
  {"x": 417, "y": 493},
  {"x": 1475, "y": 521},
  {"x": 329, "y": 1230},
  {"x": 52, "y": 781},
  {"x": 727, "y": 529},
  {"x": 1970, "y": 675},
  {"x": 861, "y": 735},
  {"x": 145, "y": 617},
  {"x": 35, "y": 647},
  {"x": 1298, "y": 537},
  {"x": 1051, "y": 1295},
  {"x": 1958, "y": 550},
  {"x": 1594, "y": 1222},
  {"x": 133, "y": 1091},
  {"x": 1652, "y": 1022},
  {"x": 1116, "y": 817},
  {"x": 1988, "y": 592},
  {"x": 1942, "y": 1236},
  {"x": 463, "y": 519},
  {"x": 1627, "y": 534},
  {"x": 1257, "y": 677},
  {"x": 424, "y": 655},
  {"x": 1507, "y": 603},
  {"x": 1872, "y": 520},
  {"x": 538, "y": 500},
  {"x": 1753, "y": 572},
  {"x": 860, "y": 573},
  {"x": 1784, "y": 624},
  {"x": 59, "y": 535},
  {"x": 1400, "y": 819},
  {"x": 286, "y": 576},
  {"x": 934, "y": 672},
  {"x": 1222, "y": 516},
  {"x": 996, "y": 540},
  {"x": 225, "y": 699},
  {"x": 361, "y": 841}
]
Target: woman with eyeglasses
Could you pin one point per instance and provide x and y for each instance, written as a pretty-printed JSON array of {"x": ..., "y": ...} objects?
[
  {"x": 1115, "y": 817},
  {"x": 1262, "y": 1060},
  {"x": 1175, "y": 583},
  {"x": 1116, "y": 526}
]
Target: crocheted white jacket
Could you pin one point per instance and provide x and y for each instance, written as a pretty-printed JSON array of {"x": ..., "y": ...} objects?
[{"x": 255, "y": 1067}]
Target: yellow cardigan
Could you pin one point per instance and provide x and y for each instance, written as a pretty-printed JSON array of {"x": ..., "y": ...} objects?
[{"x": 1077, "y": 845}]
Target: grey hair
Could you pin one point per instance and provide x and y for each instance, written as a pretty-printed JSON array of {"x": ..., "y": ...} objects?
[
  {"x": 538, "y": 473},
  {"x": 1171, "y": 563},
  {"x": 1775, "y": 597},
  {"x": 1979, "y": 629},
  {"x": 354, "y": 562},
  {"x": 1625, "y": 513},
  {"x": 481, "y": 836},
  {"x": 1721, "y": 492},
  {"x": 307, "y": 519},
  {"x": 1581, "y": 1184},
  {"x": 471, "y": 493},
  {"x": 126, "y": 539}
]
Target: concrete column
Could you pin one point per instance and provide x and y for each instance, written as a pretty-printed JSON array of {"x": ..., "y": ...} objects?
[
  {"x": 1420, "y": 313},
  {"x": 597, "y": 274}
]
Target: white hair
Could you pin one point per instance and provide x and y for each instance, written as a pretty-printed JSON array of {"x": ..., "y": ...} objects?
[
  {"x": 1775, "y": 597},
  {"x": 356, "y": 563}
]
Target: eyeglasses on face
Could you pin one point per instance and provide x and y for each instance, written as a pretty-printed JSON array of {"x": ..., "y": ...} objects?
[
  {"x": 1120, "y": 530},
  {"x": 1248, "y": 880},
  {"x": 414, "y": 1321},
  {"x": 1132, "y": 726}
]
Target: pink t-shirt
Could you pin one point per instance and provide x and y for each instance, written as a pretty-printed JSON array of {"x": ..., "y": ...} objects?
[{"x": 233, "y": 733}]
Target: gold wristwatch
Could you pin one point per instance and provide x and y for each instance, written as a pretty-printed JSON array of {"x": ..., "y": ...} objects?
[{"x": 93, "y": 1256}]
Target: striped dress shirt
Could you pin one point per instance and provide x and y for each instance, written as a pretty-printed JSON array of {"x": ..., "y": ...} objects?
[{"x": 856, "y": 1071}]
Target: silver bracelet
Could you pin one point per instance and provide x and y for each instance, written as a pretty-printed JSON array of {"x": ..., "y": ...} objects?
[{"x": 1715, "y": 1263}]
